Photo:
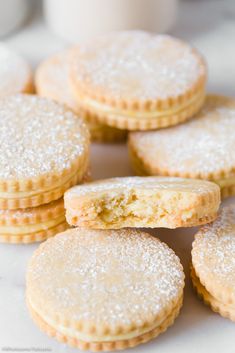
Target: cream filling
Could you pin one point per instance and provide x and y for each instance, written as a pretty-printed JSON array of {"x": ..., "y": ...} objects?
[
  {"x": 31, "y": 228},
  {"x": 214, "y": 301},
  {"x": 103, "y": 108},
  {"x": 85, "y": 337},
  {"x": 95, "y": 338},
  {"x": 208, "y": 297},
  {"x": 22, "y": 194},
  {"x": 141, "y": 171}
]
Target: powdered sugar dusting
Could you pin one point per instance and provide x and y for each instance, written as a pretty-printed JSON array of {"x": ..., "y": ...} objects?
[
  {"x": 38, "y": 137},
  {"x": 14, "y": 72},
  {"x": 138, "y": 65},
  {"x": 152, "y": 183},
  {"x": 105, "y": 277},
  {"x": 214, "y": 249},
  {"x": 201, "y": 146}
]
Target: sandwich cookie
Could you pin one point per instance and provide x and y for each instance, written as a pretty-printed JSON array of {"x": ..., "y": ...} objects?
[
  {"x": 135, "y": 80},
  {"x": 202, "y": 148},
  {"x": 104, "y": 290},
  {"x": 44, "y": 150},
  {"x": 142, "y": 202},
  {"x": 213, "y": 266},
  {"x": 32, "y": 224},
  {"x": 52, "y": 81},
  {"x": 15, "y": 73}
]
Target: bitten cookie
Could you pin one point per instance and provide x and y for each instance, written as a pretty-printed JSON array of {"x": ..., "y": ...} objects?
[
  {"x": 213, "y": 266},
  {"x": 104, "y": 290},
  {"x": 32, "y": 224},
  {"x": 43, "y": 151},
  {"x": 138, "y": 81},
  {"x": 52, "y": 81},
  {"x": 142, "y": 202},
  {"x": 15, "y": 73},
  {"x": 202, "y": 148}
]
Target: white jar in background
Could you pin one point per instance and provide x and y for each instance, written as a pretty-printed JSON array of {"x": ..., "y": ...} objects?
[
  {"x": 12, "y": 14},
  {"x": 81, "y": 20}
]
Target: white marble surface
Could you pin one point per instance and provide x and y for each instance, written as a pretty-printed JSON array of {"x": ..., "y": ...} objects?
[{"x": 210, "y": 25}]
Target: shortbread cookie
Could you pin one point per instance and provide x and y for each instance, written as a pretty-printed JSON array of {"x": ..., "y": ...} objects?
[
  {"x": 43, "y": 151},
  {"x": 32, "y": 224},
  {"x": 138, "y": 81},
  {"x": 142, "y": 202},
  {"x": 104, "y": 290},
  {"x": 52, "y": 81},
  {"x": 202, "y": 148},
  {"x": 226, "y": 310},
  {"x": 36, "y": 223},
  {"x": 213, "y": 271},
  {"x": 15, "y": 73}
]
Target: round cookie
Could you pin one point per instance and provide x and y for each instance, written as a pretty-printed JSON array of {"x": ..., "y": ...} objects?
[
  {"x": 44, "y": 150},
  {"x": 138, "y": 81},
  {"x": 224, "y": 309},
  {"x": 142, "y": 202},
  {"x": 32, "y": 224},
  {"x": 15, "y": 73},
  {"x": 52, "y": 81},
  {"x": 202, "y": 148},
  {"x": 104, "y": 290},
  {"x": 213, "y": 266}
]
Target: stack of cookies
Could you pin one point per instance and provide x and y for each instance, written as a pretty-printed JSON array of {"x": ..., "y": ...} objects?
[
  {"x": 213, "y": 267},
  {"x": 44, "y": 151},
  {"x": 126, "y": 81},
  {"x": 138, "y": 81},
  {"x": 107, "y": 285}
]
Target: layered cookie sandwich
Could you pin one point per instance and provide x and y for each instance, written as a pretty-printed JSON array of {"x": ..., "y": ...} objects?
[
  {"x": 104, "y": 290},
  {"x": 44, "y": 151},
  {"x": 201, "y": 148},
  {"x": 213, "y": 267},
  {"x": 33, "y": 224},
  {"x": 138, "y": 81}
]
